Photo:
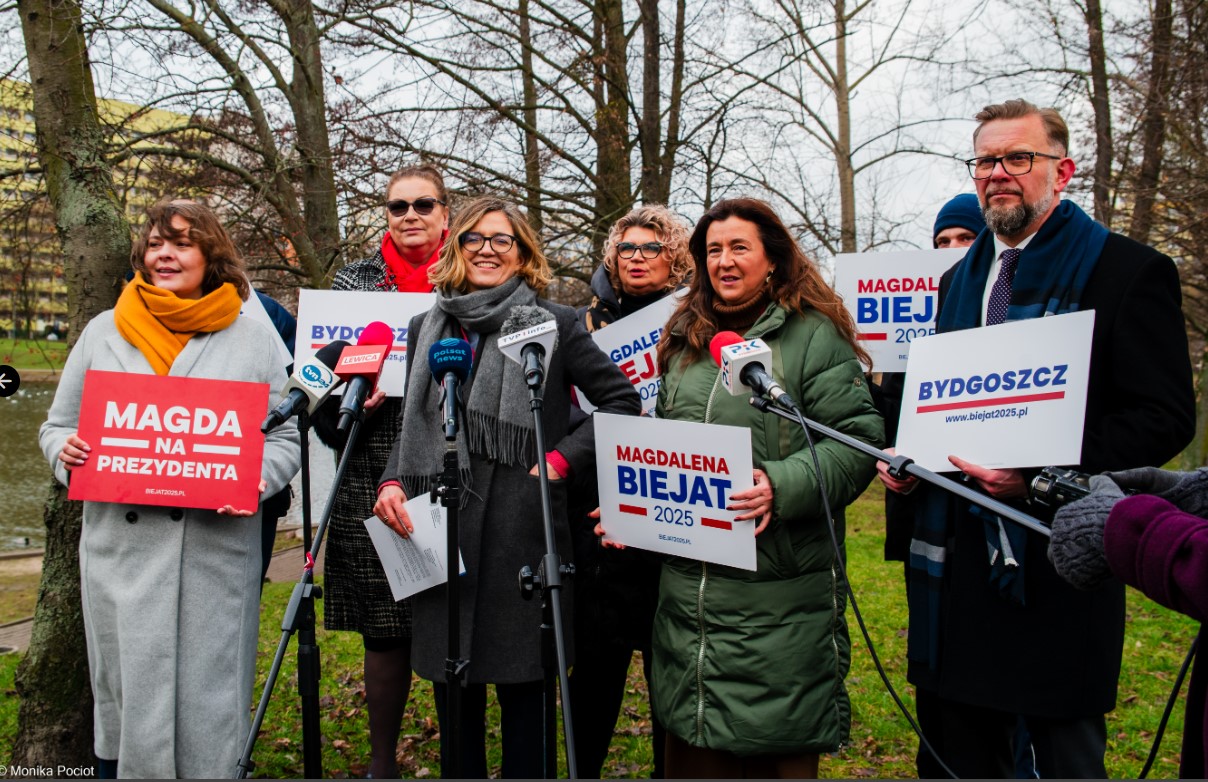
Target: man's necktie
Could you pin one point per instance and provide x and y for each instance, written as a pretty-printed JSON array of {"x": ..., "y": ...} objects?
[{"x": 1000, "y": 294}]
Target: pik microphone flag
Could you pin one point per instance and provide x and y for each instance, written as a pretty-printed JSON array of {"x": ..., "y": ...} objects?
[{"x": 173, "y": 441}]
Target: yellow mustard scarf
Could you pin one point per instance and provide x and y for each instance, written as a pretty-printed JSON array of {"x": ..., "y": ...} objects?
[{"x": 159, "y": 324}]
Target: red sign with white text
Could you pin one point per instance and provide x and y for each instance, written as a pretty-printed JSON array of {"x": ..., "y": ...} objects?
[{"x": 176, "y": 441}]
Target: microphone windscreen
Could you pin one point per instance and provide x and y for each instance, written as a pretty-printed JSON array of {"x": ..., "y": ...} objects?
[
  {"x": 523, "y": 317},
  {"x": 329, "y": 354},
  {"x": 722, "y": 339},
  {"x": 450, "y": 355},
  {"x": 376, "y": 333}
]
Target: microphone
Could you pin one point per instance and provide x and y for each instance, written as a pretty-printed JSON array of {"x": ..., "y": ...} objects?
[
  {"x": 449, "y": 361},
  {"x": 742, "y": 368},
  {"x": 360, "y": 367},
  {"x": 308, "y": 387},
  {"x": 528, "y": 337}
]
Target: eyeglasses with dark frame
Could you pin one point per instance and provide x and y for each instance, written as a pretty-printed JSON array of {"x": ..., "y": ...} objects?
[
  {"x": 649, "y": 250},
  {"x": 1014, "y": 163},
  {"x": 422, "y": 206},
  {"x": 474, "y": 241}
]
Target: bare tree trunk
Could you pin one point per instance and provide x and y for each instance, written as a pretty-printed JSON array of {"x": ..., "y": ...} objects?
[
  {"x": 650, "y": 131},
  {"x": 1101, "y": 185},
  {"x": 532, "y": 160},
  {"x": 309, "y": 103},
  {"x": 55, "y": 716},
  {"x": 671, "y": 142},
  {"x": 1195, "y": 455},
  {"x": 843, "y": 151},
  {"x": 614, "y": 195},
  {"x": 1153, "y": 123}
]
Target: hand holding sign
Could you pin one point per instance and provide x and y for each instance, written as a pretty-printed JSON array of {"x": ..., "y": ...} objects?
[
  {"x": 1000, "y": 484},
  {"x": 75, "y": 451},
  {"x": 756, "y": 501},
  {"x": 228, "y": 510}
]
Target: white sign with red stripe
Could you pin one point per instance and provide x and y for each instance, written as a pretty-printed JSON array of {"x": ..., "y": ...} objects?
[
  {"x": 325, "y": 316},
  {"x": 665, "y": 485},
  {"x": 1011, "y": 395},
  {"x": 893, "y": 299}
]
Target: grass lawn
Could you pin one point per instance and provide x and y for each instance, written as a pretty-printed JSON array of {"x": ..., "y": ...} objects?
[
  {"x": 882, "y": 744},
  {"x": 33, "y": 353}
]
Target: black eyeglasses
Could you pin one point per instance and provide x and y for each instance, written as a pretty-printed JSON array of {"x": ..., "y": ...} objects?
[
  {"x": 1015, "y": 164},
  {"x": 422, "y": 206},
  {"x": 500, "y": 243},
  {"x": 649, "y": 250}
]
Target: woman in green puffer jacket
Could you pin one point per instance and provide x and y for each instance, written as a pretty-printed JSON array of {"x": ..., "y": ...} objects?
[{"x": 750, "y": 665}]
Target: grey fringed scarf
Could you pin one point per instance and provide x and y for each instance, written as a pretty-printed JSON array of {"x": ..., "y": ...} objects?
[{"x": 499, "y": 421}]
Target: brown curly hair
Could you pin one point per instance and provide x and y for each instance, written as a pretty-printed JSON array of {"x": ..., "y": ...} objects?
[
  {"x": 671, "y": 231},
  {"x": 796, "y": 284},
  {"x": 223, "y": 262}
]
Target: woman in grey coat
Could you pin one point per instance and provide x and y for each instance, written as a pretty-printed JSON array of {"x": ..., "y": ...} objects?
[
  {"x": 171, "y": 596},
  {"x": 491, "y": 266}
]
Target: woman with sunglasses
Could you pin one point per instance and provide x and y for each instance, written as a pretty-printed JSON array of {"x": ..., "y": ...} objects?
[
  {"x": 492, "y": 266},
  {"x": 645, "y": 258},
  {"x": 356, "y": 593}
]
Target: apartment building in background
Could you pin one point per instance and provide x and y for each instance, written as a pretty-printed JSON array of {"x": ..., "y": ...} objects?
[{"x": 33, "y": 292}]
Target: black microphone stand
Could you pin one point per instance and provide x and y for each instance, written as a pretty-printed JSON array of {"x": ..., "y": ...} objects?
[
  {"x": 300, "y": 617},
  {"x": 900, "y": 466},
  {"x": 548, "y": 581},
  {"x": 448, "y": 488}
]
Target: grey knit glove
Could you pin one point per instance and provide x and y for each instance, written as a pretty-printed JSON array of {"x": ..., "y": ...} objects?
[
  {"x": 1076, "y": 547},
  {"x": 1187, "y": 491}
]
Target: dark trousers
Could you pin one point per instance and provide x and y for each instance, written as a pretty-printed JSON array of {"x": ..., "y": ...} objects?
[
  {"x": 597, "y": 688},
  {"x": 520, "y": 713},
  {"x": 977, "y": 742}
]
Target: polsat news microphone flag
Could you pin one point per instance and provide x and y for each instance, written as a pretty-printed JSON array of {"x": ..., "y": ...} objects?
[{"x": 203, "y": 451}]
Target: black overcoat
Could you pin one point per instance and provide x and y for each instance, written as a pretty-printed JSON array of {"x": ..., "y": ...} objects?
[
  {"x": 501, "y": 527},
  {"x": 1058, "y": 656}
]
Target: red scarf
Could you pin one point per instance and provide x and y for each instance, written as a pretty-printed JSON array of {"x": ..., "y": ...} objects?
[{"x": 402, "y": 275}]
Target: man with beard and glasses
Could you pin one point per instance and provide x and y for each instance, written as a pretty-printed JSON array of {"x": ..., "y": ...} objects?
[{"x": 991, "y": 642}]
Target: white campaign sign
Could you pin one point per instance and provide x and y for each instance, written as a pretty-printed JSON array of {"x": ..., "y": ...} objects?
[
  {"x": 893, "y": 299},
  {"x": 325, "y": 316},
  {"x": 417, "y": 562},
  {"x": 632, "y": 343},
  {"x": 664, "y": 486},
  {"x": 1011, "y": 395}
]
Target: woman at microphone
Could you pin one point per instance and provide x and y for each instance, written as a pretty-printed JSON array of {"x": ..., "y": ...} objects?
[
  {"x": 646, "y": 258},
  {"x": 171, "y": 596},
  {"x": 492, "y": 272},
  {"x": 749, "y": 666},
  {"x": 356, "y": 593}
]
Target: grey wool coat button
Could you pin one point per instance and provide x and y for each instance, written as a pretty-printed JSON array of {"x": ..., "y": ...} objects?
[
  {"x": 131, "y": 517},
  {"x": 177, "y": 514}
]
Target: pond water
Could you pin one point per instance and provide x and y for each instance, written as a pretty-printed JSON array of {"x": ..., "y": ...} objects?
[{"x": 25, "y": 475}]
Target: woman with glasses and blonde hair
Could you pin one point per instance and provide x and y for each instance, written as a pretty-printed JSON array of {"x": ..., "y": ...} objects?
[
  {"x": 356, "y": 594},
  {"x": 646, "y": 258},
  {"x": 492, "y": 265},
  {"x": 171, "y": 596}
]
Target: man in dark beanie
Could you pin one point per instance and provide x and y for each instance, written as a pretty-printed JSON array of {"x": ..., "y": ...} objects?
[{"x": 958, "y": 223}]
